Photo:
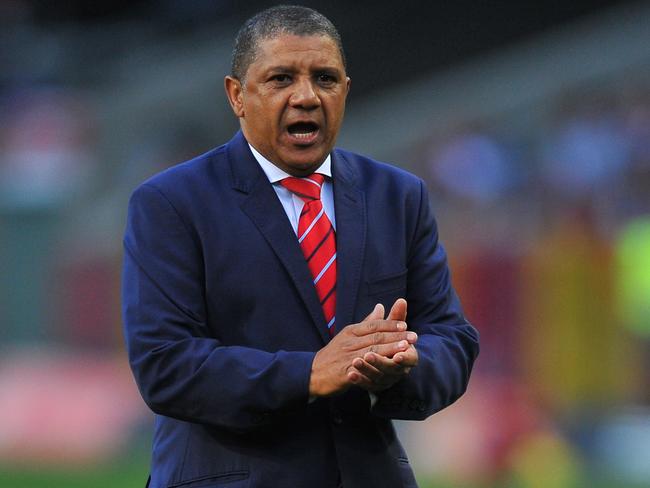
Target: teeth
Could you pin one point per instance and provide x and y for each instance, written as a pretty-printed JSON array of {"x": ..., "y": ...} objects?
[{"x": 303, "y": 135}]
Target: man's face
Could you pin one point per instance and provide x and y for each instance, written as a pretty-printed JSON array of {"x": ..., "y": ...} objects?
[{"x": 292, "y": 102}]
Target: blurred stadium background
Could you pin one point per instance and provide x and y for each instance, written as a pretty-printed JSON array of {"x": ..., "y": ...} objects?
[{"x": 530, "y": 123}]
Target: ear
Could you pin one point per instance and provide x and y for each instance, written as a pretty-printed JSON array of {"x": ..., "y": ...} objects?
[
  {"x": 348, "y": 82},
  {"x": 235, "y": 94}
]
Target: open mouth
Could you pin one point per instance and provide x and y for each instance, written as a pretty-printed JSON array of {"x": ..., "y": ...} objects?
[{"x": 303, "y": 132}]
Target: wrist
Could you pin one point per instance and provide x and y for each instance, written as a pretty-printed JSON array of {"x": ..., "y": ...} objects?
[{"x": 315, "y": 382}]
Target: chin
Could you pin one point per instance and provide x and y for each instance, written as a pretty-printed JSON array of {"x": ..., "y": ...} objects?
[
  {"x": 305, "y": 164},
  {"x": 300, "y": 169}
]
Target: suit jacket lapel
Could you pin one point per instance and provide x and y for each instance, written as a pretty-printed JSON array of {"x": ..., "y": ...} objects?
[
  {"x": 350, "y": 208},
  {"x": 262, "y": 206}
]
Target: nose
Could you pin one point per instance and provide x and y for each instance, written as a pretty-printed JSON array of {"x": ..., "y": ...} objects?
[{"x": 304, "y": 95}]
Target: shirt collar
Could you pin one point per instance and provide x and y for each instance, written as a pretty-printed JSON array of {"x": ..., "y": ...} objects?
[{"x": 275, "y": 174}]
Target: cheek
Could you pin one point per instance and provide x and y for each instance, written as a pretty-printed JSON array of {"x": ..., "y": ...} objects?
[
  {"x": 265, "y": 115},
  {"x": 336, "y": 106},
  {"x": 335, "y": 115}
]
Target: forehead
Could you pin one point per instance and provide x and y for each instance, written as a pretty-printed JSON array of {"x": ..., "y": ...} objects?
[{"x": 296, "y": 51}]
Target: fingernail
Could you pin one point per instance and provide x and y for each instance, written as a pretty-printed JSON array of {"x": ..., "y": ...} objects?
[
  {"x": 411, "y": 336},
  {"x": 401, "y": 325},
  {"x": 403, "y": 344}
]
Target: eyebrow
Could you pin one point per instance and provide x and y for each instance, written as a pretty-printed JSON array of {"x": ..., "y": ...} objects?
[{"x": 289, "y": 69}]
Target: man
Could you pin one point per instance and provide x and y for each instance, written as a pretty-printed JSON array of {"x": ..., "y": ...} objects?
[{"x": 256, "y": 278}]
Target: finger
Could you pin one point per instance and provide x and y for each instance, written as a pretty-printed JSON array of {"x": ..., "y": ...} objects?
[
  {"x": 376, "y": 314},
  {"x": 377, "y": 338},
  {"x": 367, "y": 370},
  {"x": 385, "y": 365},
  {"x": 390, "y": 372},
  {"x": 379, "y": 381},
  {"x": 376, "y": 325},
  {"x": 408, "y": 358},
  {"x": 389, "y": 350},
  {"x": 398, "y": 310},
  {"x": 355, "y": 377}
]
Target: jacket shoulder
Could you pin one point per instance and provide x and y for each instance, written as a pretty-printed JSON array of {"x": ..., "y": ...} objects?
[
  {"x": 369, "y": 169},
  {"x": 185, "y": 175}
]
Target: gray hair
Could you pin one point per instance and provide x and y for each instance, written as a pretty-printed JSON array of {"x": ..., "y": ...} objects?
[{"x": 270, "y": 23}]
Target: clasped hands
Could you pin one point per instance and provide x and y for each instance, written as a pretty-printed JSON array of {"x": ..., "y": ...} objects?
[{"x": 373, "y": 354}]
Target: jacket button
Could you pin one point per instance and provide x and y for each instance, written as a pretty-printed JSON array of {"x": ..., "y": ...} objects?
[
  {"x": 259, "y": 418},
  {"x": 337, "y": 418}
]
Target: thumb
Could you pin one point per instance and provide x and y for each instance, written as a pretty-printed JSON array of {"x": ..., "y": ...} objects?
[
  {"x": 398, "y": 310},
  {"x": 376, "y": 314}
]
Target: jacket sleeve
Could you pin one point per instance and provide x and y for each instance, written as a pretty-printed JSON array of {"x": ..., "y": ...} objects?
[
  {"x": 182, "y": 371},
  {"x": 447, "y": 344}
]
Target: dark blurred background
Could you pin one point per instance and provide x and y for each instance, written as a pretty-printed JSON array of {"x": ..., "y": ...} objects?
[{"x": 530, "y": 123}]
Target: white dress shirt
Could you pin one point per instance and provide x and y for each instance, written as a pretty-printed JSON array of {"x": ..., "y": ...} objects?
[{"x": 292, "y": 203}]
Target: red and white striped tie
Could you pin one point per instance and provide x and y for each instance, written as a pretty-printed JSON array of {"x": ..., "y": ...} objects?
[{"x": 317, "y": 241}]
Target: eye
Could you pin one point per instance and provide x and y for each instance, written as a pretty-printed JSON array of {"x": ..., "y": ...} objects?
[
  {"x": 326, "y": 79},
  {"x": 281, "y": 79}
]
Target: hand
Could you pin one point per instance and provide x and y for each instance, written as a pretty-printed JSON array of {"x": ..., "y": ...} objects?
[
  {"x": 375, "y": 372},
  {"x": 332, "y": 371}
]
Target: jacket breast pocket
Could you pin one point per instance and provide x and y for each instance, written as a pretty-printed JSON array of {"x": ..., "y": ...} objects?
[
  {"x": 388, "y": 287},
  {"x": 407, "y": 473}
]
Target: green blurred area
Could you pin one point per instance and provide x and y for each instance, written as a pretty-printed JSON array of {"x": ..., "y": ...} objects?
[
  {"x": 127, "y": 472},
  {"x": 132, "y": 473}
]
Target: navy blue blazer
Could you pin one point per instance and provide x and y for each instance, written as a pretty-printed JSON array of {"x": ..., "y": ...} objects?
[{"x": 222, "y": 323}]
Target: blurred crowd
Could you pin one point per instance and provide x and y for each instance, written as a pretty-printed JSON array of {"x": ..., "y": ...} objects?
[{"x": 548, "y": 230}]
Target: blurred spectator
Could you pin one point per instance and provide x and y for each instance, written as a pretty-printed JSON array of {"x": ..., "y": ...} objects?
[
  {"x": 472, "y": 165},
  {"x": 633, "y": 276},
  {"x": 573, "y": 352},
  {"x": 46, "y": 162},
  {"x": 490, "y": 283},
  {"x": 46, "y": 142},
  {"x": 632, "y": 294},
  {"x": 585, "y": 152}
]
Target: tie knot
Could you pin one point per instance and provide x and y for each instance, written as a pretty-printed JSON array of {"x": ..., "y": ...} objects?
[{"x": 306, "y": 188}]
